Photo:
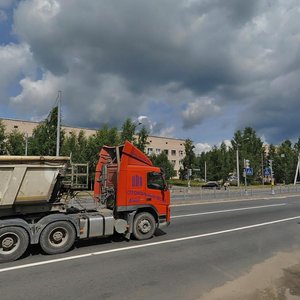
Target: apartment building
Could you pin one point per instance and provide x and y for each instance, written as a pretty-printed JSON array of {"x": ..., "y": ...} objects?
[{"x": 174, "y": 148}]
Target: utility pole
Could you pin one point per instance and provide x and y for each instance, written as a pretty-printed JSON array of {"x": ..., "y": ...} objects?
[
  {"x": 26, "y": 144},
  {"x": 272, "y": 176},
  {"x": 297, "y": 170},
  {"x": 237, "y": 165},
  {"x": 262, "y": 169},
  {"x": 58, "y": 122},
  {"x": 237, "y": 160}
]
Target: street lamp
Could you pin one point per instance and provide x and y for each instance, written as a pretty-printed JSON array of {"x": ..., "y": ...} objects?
[
  {"x": 237, "y": 161},
  {"x": 237, "y": 165}
]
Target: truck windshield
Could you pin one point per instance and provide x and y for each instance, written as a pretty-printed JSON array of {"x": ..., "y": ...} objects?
[{"x": 155, "y": 181}]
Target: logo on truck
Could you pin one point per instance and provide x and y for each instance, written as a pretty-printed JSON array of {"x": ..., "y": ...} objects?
[{"x": 136, "y": 181}]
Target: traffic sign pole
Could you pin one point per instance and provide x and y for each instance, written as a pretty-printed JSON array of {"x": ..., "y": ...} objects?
[
  {"x": 245, "y": 171},
  {"x": 272, "y": 178}
]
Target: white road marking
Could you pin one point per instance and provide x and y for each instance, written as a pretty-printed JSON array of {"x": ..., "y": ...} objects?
[
  {"x": 229, "y": 201},
  {"x": 146, "y": 245},
  {"x": 227, "y": 210}
]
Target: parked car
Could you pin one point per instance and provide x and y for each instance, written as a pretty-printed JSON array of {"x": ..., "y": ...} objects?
[{"x": 211, "y": 185}]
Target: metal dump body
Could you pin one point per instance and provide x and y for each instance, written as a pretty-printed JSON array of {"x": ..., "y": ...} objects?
[{"x": 29, "y": 179}]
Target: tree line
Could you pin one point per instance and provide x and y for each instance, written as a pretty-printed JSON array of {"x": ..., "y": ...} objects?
[
  {"x": 221, "y": 161},
  {"x": 81, "y": 148}
]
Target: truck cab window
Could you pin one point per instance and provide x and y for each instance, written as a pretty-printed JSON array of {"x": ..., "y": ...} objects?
[{"x": 155, "y": 181}]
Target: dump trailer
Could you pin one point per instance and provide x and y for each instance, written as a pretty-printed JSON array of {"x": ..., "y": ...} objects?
[{"x": 37, "y": 201}]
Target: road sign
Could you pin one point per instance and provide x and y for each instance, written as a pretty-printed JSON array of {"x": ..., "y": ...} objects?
[
  {"x": 249, "y": 171},
  {"x": 267, "y": 172}
]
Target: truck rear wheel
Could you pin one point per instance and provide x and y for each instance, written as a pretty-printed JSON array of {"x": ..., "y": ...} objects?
[
  {"x": 13, "y": 243},
  {"x": 144, "y": 226},
  {"x": 57, "y": 237}
]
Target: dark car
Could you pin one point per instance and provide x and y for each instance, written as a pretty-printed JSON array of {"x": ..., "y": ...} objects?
[{"x": 211, "y": 185}]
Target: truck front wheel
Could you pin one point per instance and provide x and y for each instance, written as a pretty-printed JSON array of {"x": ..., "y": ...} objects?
[
  {"x": 57, "y": 237},
  {"x": 144, "y": 226},
  {"x": 13, "y": 243}
]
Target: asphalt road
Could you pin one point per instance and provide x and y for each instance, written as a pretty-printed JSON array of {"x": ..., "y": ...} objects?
[{"x": 205, "y": 246}]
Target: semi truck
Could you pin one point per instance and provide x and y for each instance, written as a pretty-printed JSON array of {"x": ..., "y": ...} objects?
[{"x": 37, "y": 204}]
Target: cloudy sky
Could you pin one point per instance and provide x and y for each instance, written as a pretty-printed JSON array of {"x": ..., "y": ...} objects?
[{"x": 197, "y": 69}]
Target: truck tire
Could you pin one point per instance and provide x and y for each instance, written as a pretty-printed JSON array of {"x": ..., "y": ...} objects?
[
  {"x": 13, "y": 243},
  {"x": 57, "y": 237},
  {"x": 144, "y": 226}
]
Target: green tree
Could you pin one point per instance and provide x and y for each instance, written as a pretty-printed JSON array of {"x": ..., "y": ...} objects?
[
  {"x": 218, "y": 162},
  {"x": 43, "y": 140},
  {"x": 224, "y": 162},
  {"x": 200, "y": 164},
  {"x": 70, "y": 145},
  {"x": 297, "y": 146},
  {"x": 285, "y": 162},
  {"x": 76, "y": 146},
  {"x": 162, "y": 161},
  {"x": 104, "y": 136},
  {"x": 2, "y": 138},
  {"x": 16, "y": 143},
  {"x": 128, "y": 131},
  {"x": 188, "y": 162},
  {"x": 250, "y": 147},
  {"x": 142, "y": 140}
]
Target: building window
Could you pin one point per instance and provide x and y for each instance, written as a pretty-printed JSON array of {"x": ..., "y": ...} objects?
[
  {"x": 166, "y": 151},
  {"x": 180, "y": 152},
  {"x": 166, "y": 142},
  {"x": 173, "y": 152},
  {"x": 157, "y": 151},
  {"x": 16, "y": 126},
  {"x": 149, "y": 151},
  {"x": 173, "y": 162}
]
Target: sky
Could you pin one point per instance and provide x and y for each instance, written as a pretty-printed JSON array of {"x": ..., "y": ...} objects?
[{"x": 198, "y": 69}]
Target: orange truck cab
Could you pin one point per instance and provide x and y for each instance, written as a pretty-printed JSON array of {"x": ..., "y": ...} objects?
[{"x": 127, "y": 183}]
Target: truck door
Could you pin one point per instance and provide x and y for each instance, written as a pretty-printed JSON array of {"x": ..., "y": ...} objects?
[{"x": 155, "y": 191}]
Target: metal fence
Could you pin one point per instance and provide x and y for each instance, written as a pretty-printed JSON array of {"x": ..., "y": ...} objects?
[{"x": 197, "y": 193}]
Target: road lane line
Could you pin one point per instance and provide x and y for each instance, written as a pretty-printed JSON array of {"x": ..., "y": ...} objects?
[
  {"x": 227, "y": 210},
  {"x": 147, "y": 245},
  {"x": 229, "y": 201}
]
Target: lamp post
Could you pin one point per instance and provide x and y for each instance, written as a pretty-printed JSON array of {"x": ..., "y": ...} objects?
[
  {"x": 26, "y": 144},
  {"x": 58, "y": 122},
  {"x": 237, "y": 163},
  {"x": 237, "y": 160}
]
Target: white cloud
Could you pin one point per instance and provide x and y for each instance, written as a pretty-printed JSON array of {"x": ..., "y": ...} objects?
[
  {"x": 167, "y": 132},
  {"x": 6, "y": 3},
  {"x": 3, "y": 16},
  {"x": 202, "y": 147},
  {"x": 37, "y": 96},
  {"x": 115, "y": 60},
  {"x": 15, "y": 61},
  {"x": 199, "y": 110}
]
